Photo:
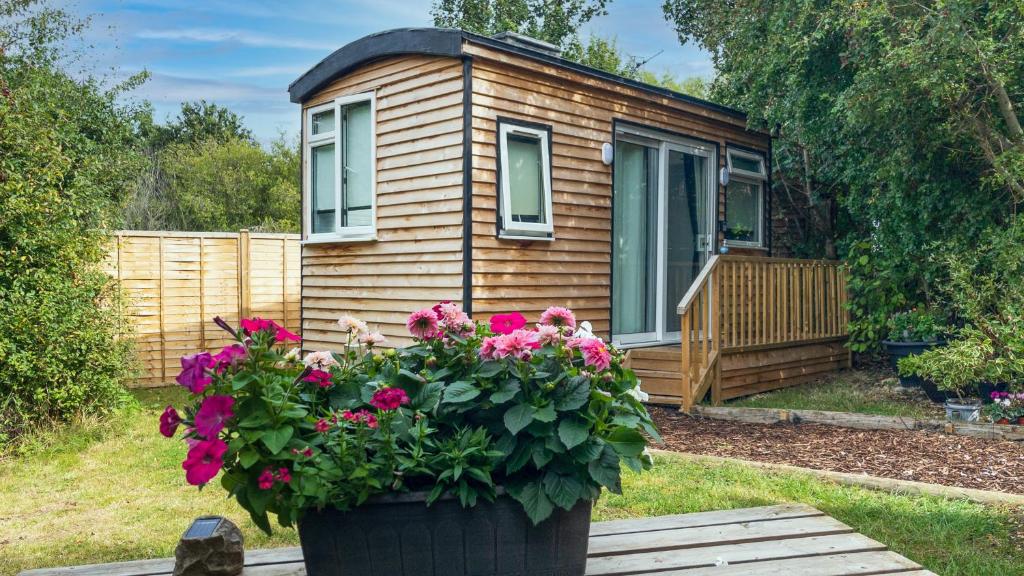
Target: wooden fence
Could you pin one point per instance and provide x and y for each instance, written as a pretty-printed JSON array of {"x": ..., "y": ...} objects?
[{"x": 177, "y": 282}]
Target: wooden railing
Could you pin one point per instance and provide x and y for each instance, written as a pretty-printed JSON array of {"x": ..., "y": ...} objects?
[{"x": 746, "y": 303}]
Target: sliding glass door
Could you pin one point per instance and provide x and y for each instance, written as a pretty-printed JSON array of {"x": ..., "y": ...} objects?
[{"x": 663, "y": 212}]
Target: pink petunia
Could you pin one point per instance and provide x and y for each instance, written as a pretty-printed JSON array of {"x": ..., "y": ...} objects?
[
  {"x": 422, "y": 324},
  {"x": 204, "y": 461},
  {"x": 388, "y": 399},
  {"x": 507, "y": 323},
  {"x": 169, "y": 422},
  {"x": 212, "y": 414},
  {"x": 266, "y": 479},
  {"x": 519, "y": 344},
  {"x": 283, "y": 335},
  {"x": 558, "y": 317},
  {"x": 595, "y": 353},
  {"x": 257, "y": 324},
  {"x": 194, "y": 374},
  {"x": 320, "y": 378},
  {"x": 229, "y": 356}
]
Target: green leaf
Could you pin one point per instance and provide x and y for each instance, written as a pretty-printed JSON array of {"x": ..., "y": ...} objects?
[
  {"x": 537, "y": 505},
  {"x": 458, "y": 392},
  {"x": 248, "y": 457},
  {"x": 589, "y": 450},
  {"x": 519, "y": 417},
  {"x": 605, "y": 470},
  {"x": 276, "y": 439},
  {"x": 541, "y": 454},
  {"x": 428, "y": 397},
  {"x": 563, "y": 490},
  {"x": 626, "y": 441},
  {"x": 519, "y": 457},
  {"x": 490, "y": 369},
  {"x": 573, "y": 431},
  {"x": 627, "y": 420},
  {"x": 506, "y": 392},
  {"x": 573, "y": 395},
  {"x": 545, "y": 414}
]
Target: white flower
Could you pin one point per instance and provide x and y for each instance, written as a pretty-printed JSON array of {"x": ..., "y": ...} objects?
[
  {"x": 293, "y": 355},
  {"x": 320, "y": 360},
  {"x": 585, "y": 330},
  {"x": 646, "y": 456},
  {"x": 639, "y": 394},
  {"x": 351, "y": 324},
  {"x": 372, "y": 339}
]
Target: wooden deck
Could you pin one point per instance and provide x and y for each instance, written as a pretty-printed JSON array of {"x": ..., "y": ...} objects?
[{"x": 783, "y": 540}]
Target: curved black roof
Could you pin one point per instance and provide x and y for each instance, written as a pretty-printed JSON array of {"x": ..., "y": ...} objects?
[{"x": 448, "y": 42}]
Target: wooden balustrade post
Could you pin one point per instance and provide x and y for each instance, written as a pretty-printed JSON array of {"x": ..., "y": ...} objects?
[
  {"x": 244, "y": 285},
  {"x": 686, "y": 383}
]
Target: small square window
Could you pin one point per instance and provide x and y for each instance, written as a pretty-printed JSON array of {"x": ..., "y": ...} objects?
[{"x": 525, "y": 185}]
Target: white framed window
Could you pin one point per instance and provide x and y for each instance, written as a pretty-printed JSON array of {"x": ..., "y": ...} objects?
[
  {"x": 524, "y": 162},
  {"x": 744, "y": 199},
  {"x": 341, "y": 181}
]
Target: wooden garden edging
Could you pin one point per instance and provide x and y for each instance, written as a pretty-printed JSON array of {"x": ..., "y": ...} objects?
[
  {"x": 177, "y": 282},
  {"x": 862, "y": 421}
]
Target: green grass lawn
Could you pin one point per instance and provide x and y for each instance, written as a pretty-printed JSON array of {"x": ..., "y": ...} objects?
[
  {"x": 863, "y": 392},
  {"x": 86, "y": 497}
]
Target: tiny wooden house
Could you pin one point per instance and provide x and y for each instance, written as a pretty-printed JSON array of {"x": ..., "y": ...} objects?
[{"x": 444, "y": 165}]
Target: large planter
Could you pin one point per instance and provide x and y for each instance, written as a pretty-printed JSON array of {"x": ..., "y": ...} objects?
[
  {"x": 399, "y": 535},
  {"x": 963, "y": 410},
  {"x": 899, "y": 350}
]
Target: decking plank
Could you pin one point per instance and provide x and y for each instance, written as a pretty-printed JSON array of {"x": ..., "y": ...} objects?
[{"x": 783, "y": 540}]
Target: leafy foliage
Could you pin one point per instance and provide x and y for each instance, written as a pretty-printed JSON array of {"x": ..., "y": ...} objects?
[
  {"x": 198, "y": 122},
  {"x": 440, "y": 416},
  {"x": 554, "y": 22},
  {"x": 65, "y": 159}
]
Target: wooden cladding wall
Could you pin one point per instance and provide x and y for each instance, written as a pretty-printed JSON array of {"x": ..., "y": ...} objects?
[
  {"x": 177, "y": 282},
  {"x": 416, "y": 259},
  {"x": 575, "y": 269}
]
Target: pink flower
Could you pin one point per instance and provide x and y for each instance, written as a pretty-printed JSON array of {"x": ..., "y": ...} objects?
[
  {"x": 352, "y": 325},
  {"x": 253, "y": 325},
  {"x": 453, "y": 318},
  {"x": 547, "y": 334},
  {"x": 361, "y": 416},
  {"x": 204, "y": 461},
  {"x": 284, "y": 475},
  {"x": 437, "y": 308},
  {"x": 559, "y": 317},
  {"x": 519, "y": 343},
  {"x": 169, "y": 421},
  {"x": 229, "y": 356},
  {"x": 595, "y": 353},
  {"x": 212, "y": 414},
  {"x": 320, "y": 360},
  {"x": 320, "y": 378},
  {"x": 283, "y": 335},
  {"x": 488, "y": 347},
  {"x": 388, "y": 399},
  {"x": 266, "y": 479},
  {"x": 372, "y": 339},
  {"x": 322, "y": 425},
  {"x": 422, "y": 324},
  {"x": 507, "y": 323},
  {"x": 194, "y": 375}
]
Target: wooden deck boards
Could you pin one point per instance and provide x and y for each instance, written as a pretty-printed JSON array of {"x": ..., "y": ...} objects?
[{"x": 783, "y": 540}]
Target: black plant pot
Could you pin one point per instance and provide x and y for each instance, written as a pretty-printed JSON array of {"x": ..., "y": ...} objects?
[
  {"x": 899, "y": 350},
  {"x": 399, "y": 535}
]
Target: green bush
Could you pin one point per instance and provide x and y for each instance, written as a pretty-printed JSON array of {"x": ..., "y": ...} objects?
[
  {"x": 916, "y": 325},
  {"x": 66, "y": 159}
]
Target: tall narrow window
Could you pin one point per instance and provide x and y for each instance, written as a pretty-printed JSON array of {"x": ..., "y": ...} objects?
[
  {"x": 341, "y": 156},
  {"x": 525, "y": 185},
  {"x": 744, "y": 199}
]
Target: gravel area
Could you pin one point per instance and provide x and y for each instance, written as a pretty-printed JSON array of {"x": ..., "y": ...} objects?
[{"x": 904, "y": 455}]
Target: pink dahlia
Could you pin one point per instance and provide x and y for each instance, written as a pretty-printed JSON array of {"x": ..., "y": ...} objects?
[
  {"x": 204, "y": 461},
  {"x": 388, "y": 399},
  {"x": 488, "y": 347},
  {"x": 266, "y": 479},
  {"x": 507, "y": 323},
  {"x": 547, "y": 334},
  {"x": 519, "y": 343},
  {"x": 595, "y": 353},
  {"x": 212, "y": 414},
  {"x": 229, "y": 356},
  {"x": 437, "y": 308},
  {"x": 422, "y": 324},
  {"x": 320, "y": 378},
  {"x": 169, "y": 421},
  {"x": 371, "y": 339},
  {"x": 194, "y": 375},
  {"x": 559, "y": 317}
]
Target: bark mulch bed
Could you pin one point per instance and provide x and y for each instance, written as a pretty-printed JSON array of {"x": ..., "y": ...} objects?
[{"x": 903, "y": 455}]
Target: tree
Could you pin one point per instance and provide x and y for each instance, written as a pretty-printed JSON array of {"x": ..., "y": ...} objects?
[
  {"x": 67, "y": 155},
  {"x": 196, "y": 122},
  {"x": 896, "y": 125},
  {"x": 554, "y": 21}
]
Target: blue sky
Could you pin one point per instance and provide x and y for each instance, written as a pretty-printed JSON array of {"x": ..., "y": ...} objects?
[{"x": 243, "y": 54}]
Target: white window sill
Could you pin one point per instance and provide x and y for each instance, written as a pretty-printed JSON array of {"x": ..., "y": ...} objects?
[
  {"x": 339, "y": 239},
  {"x": 526, "y": 238},
  {"x": 745, "y": 245}
]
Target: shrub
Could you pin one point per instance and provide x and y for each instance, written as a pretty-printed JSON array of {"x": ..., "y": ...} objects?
[
  {"x": 916, "y": 325},
  {"x": 546, "y": 414}
]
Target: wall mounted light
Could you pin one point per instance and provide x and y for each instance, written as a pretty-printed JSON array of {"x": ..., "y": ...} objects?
[
  {"x": 723, "y": 176},
  {"x": 607, "y": 153}
]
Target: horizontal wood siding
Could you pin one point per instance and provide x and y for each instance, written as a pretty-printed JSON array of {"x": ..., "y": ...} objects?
[
  {"x": 417, "y": 257},
  {"x": 575, "y": 269}
]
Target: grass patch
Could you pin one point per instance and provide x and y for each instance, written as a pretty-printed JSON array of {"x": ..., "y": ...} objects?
[
  {"x": 858, "y": 391},
  {"x": 121, "y": 495}
]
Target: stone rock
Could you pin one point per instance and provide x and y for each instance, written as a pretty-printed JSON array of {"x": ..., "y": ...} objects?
[{"x": 220, "y": 554}]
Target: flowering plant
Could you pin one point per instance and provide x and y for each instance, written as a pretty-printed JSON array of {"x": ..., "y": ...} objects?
[
  {"x": 548, "y": 413},
  {"x": 1005, "y": 406}
]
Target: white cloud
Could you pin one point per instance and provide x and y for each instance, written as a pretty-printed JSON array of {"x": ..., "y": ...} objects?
[
  {"x": 218, "y": 35},
  {"x": 260, "y": 71}
]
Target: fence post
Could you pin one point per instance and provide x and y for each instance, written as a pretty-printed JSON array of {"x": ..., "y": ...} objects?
[
  {"x": 163, "y": 332},
  {"x": 244, "y": 288},
  {"x": 202, "y": 294},
  {"x": 284, "y": 281}
]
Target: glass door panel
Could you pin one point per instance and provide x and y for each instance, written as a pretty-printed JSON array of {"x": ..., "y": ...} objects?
[
  {"x": 635, "y": 245},
  {"x": 686, "y": 228}
]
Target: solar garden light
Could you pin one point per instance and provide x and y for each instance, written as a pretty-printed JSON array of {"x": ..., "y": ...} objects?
[{"x": 212, "y": 546}]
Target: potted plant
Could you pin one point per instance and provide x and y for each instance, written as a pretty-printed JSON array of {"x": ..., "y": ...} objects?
[
  {"x": 911, "y": 332},
  {"x": 958, "y": 369},
  {"x": 390, "y": 460},
  {"x": 1006, "y": 408}
]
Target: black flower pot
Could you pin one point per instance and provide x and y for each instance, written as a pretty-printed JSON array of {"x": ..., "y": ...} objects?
[
  {"x": 899, "y": 350},
  {"x": 399, "y": 535}
]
